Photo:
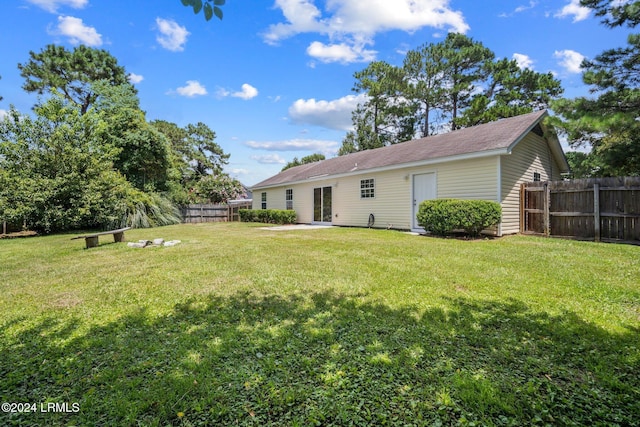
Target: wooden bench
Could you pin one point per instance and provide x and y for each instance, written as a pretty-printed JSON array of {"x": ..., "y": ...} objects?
[{"x": 92, "y": 239}]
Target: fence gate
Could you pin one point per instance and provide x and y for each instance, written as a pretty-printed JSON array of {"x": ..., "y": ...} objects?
[{"x": 600, "y": 209}]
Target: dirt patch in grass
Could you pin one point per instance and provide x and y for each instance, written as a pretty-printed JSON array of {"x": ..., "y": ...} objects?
[{"x": 66, "y": 300}]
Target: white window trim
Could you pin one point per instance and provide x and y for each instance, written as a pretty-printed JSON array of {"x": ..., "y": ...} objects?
[{"x": 370, "y": 190}]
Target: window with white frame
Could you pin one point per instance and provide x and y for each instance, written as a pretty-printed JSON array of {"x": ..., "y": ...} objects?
[
  {"x": 367, "y": 188},
  {"x": 264, "y": 200},
  {"x": 288, "y": 197}
]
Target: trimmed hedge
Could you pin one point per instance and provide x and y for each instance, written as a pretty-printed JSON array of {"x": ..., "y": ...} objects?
[
  {"x": 268, "y": 216},
  {"x": 442, "y": 216}
]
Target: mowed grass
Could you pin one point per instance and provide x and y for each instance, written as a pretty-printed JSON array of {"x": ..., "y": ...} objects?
[{"x": 243, "y": 326}]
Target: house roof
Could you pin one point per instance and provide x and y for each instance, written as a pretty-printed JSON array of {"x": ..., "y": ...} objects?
[{"x": 493, "y": 138}]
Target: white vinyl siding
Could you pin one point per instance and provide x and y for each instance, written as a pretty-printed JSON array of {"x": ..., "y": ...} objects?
[
  {"x": 392, "y": 205},
  {"x": 529, "y": 157}
]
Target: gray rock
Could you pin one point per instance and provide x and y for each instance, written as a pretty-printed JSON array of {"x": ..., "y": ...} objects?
[
  {"x": 172, "y": 242},
  {"x": 136, "y": 245},
  {"x": 158, "y": 242}
]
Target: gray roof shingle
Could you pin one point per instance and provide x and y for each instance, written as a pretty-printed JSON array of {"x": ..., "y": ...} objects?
[{"x": 496, "y": 135}]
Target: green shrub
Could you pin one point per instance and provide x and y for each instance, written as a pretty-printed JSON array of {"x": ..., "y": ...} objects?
[
  {"x": 443, "y": 216},
  {"x": 268, "y": 216}
]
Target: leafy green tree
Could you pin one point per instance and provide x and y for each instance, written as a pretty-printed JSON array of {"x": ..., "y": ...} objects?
[
  {"x": 207, "y": 157},
  {"x": 196, "y": 162},
  {"x": 143, "y": 151},
  {"x": 510, "y": 91},
  {"x": 216, "y": 189},
  {"x": 312, "y": 158},
  {"x": 71, "y": 73},
  {"x": 466, "y": 63},
  {"x": 48, "y": 163},
  {"x": 583, "y": 165},
  {"x": 363, "y": 137},
  {"x": 180, "y": 173},
  {"x": 424, "y": 73},
  {"x": 386, "y": 106},
  {"x": 210, "y": 7},
  {"x": 608, "y": 121},
  {"x": 57, "y": 173},
  {"x": 386, "y": 117},
  {"x": 452, "y": 84},
  {"x": 615, "y": 13}
]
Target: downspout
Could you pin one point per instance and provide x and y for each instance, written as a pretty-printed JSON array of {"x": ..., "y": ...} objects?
[{"x": 499, "y": 193}]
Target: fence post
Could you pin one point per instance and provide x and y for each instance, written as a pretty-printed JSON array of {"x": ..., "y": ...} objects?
[
  {"x": 4, "y": 227},
  {"x": 596, "y": 211},
  {"x": 547, "y": 205}
]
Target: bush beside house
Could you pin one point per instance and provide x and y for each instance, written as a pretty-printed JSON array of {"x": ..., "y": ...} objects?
[
  {"x": 268, "y": 216},
  {"x": 443, "y": 216}
]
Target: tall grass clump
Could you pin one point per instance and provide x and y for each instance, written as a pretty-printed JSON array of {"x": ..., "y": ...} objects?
[{"x": 145, "y": 210}]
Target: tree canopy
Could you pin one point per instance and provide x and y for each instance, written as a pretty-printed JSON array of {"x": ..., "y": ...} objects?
[
  {"x": 90, "y": 159},
  {"x": 607, "y": 121},
  {"x": 442, "y": 86},
  {"x": 72, "y": 73},
  {"x": 312, "y": 158},
  {"x": 615, "y": 13}
]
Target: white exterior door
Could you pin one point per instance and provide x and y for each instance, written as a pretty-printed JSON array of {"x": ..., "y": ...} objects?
[{"x": 424, "y": 188}]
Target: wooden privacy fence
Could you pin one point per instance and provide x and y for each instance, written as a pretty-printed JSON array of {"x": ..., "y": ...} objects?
[
  {"x": 600, "y": 209},
  {"x": 213, "y": 213}
]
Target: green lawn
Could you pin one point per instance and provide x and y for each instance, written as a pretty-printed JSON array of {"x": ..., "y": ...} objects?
[{"x": 243, "y": 326}]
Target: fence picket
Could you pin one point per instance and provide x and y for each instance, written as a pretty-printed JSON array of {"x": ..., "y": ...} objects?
[
  {"x": 198, "y": 213},
  {"x": 599, "y": 209}
]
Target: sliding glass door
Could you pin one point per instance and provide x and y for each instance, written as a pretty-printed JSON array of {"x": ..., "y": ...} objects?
[{"x": 322, "y": 204}]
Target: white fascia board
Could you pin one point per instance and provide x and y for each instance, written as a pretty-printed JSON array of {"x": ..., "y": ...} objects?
[{"x": 467, "y": 156}]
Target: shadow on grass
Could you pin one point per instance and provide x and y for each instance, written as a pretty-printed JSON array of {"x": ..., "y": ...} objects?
[{"x": 325, "y": 360}]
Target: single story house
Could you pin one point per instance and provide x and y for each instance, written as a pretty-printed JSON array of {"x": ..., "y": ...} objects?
[{"x": 383, "y": 187}]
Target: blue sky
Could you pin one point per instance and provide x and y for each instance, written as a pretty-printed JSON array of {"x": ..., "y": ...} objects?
[{"x": 274, "y": 79}]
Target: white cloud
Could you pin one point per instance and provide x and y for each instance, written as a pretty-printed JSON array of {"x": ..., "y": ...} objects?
[
  {"x": 523, "y": 61},
  {"x": 77, "y": 32},
  {"x": 135, "y": 78},
  {"x": 350, "y": 25},
  {"x": 522, "y": 8},
  {"x": 341, "y": 52},
  {"x": 53, "y": 5},
  {"x": 328, "y": 148},
  {"x": 570, "y": 60},
  {"x": 3, "y": 114},
  {"x": 335, "y": 114},
  {"x": 579, "y": 13},
  {"x": 172, "y": 35},
  {"x": 222, "y": 92},
  {"x": 193, "y": 88},
  {"x": 246, "y": 93},
  {"x": 269, "y": 159},
  {"x": 531, "y": 5},
  {"x": 237, "y": 171}
]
